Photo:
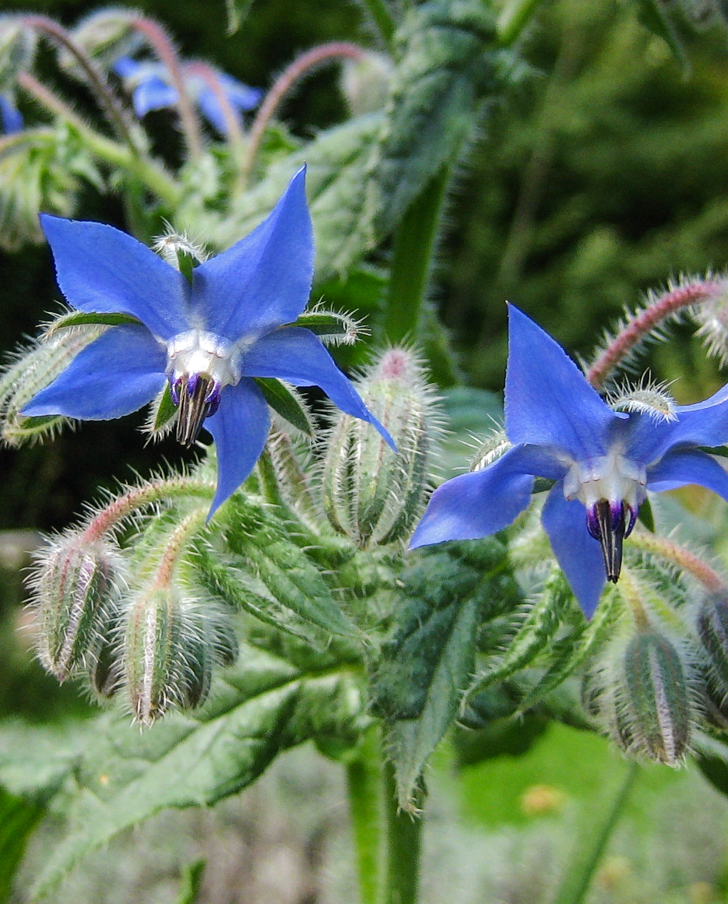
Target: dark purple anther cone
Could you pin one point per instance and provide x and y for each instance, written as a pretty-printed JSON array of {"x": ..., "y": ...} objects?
[{"x": 610, "y": 522}]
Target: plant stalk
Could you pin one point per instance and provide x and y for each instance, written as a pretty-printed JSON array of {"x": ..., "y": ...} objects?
[
  {"x": 364, "y": 783},
  {"x": 414, "y": 245},
  {"x": 580, "y": 871},
  {"x": 404, "y": 842}
]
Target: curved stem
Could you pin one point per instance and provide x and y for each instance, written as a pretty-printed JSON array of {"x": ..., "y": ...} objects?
[
  {"x": 235, "y": 136},
  {"x": 682, "y": 557},
  {"x": 580, "y": 873},
  {"x": 115, "y": 112},
  {"x": 299, "y": 68},
  {"x": 644, "y": 321},
  {"x": 414, "y": 244},
  {"x": 160, "y": 43},
  {"x": 111, "y": 152}
]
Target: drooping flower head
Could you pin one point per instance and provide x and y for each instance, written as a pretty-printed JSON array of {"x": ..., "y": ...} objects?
[
  {"x": 208, "y": 336},
  {"x": 602, "y": 461},
  {"x": 151, "y": 89}
]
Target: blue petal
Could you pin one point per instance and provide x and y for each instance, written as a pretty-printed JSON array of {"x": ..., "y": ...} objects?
[
  {"x": 264, "y": 280},
  {"x": 10, "y": 119},
  {"x": 117, "y": 374},
  {"x": 107, "y": 271},
  {"x": 480, "y": 503},
  {"x": 685, "y": 466},
  {"x": 241, "y": 96},
  {"x": 702, "y": 424},
  {"x": 240, "y": 428},
  {"x": 297, "y": 356},
  {"x": 126, "y": 67},
  {"x": 153, "y": 93},
  {"x": 579, "y": 555},
  {"x": 211, "y": 109},
  {"x": 548, "y": 400}
]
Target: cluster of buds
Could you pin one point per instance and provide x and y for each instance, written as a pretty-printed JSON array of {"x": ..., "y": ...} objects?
[
  {"x": 371, "y": 494},
  {"x": 133, "y": 622}
]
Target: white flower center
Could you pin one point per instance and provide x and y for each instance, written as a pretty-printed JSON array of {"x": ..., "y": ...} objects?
[
  {"x": 611, "y": 477},
  {"x": 198, "y": 353}
]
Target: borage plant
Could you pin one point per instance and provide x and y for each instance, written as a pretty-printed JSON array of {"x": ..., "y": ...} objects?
[{"x": 265, "y": 597}]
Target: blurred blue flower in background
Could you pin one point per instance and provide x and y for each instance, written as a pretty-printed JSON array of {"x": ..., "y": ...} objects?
[
  {"x": 10, "y": 117},
  {"x": 151, "y": 89},
  {"x": 208, "y": 336},
  {"x": 602, "y": 461}
]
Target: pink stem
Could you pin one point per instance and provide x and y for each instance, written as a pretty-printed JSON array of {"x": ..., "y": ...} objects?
[{"x": 644, "y": 322}]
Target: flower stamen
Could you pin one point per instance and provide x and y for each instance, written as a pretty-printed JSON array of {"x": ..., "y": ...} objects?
[
  {"x": 197, "y": 396},
  {"x": 610, "y": 522}
]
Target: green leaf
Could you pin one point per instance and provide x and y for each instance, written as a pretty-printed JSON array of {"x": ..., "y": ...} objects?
[
  {"x": 264, "y": 707},
  {"x": 18, "y": 818},
  {"x": 278, "y": 571},
  {"x": 286, "y": 402},
  {"x": 427, "y": 665},
  {"x": 191, "y": 882},
  {"x": 165, "y": 410}
]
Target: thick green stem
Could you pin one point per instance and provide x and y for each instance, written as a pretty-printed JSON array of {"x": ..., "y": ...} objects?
[
  {"x": 404, "y": 837},
  {"x": 364, "y": 782},
  {"x": 580, "y": 872},
  {"x": 414, "y": 245}
]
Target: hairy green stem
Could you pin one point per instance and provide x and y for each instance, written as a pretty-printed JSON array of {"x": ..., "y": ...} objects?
[
  {"x": 581, "y": 871},
  {"x": 364, "y": 784},
  {"x": 106, "y": 149},
  {"x": 404, "y": 842},
  {"x": 414, "y": 244}
]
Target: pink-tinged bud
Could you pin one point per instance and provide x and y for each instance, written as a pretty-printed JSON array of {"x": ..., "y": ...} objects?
[
  {"x": 365, "y": 82},
  {"x": 170, "y": 649},
  {"x": 657, "y": 715},
  {"x": 372, "y": 494},
  {"x": 75, "y": 590}
]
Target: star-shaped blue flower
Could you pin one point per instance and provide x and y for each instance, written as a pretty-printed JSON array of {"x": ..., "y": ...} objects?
[
  {"x": 602, "y": 461},
  {"x": 209, "y": 338},
  {"x": 151, "y": 89}
]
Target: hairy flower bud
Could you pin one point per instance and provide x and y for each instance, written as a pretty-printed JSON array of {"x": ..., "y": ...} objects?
[
  {"x": 171, "y": 646},
  {"x": 372, "y": 494},
  {"x": 366, "y": 82},
  {"x": 17, "y": 49},
  {"x": 712, "y": 624},
  {"x": 104, "y": 35},
  {"x": 75, "y": 588},
  {"x": 657, "y": 712}
]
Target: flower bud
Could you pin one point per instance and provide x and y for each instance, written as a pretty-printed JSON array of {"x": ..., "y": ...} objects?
[
  {"x": 365, "y": 82},
  {"x": 75, "y": 588},
  {"x": 105, "y": 35},
  {"x": 712, "y": 625},
  {"x": 171, "y": 647},
  {"x": 657, "y": 698},
  {"x": 372, "y": 494},
  {"x": 17, "y": 49}
]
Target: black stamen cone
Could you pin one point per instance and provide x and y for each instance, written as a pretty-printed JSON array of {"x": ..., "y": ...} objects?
[
  {"x": 193, "y": 409},
  {"x": 611, "y": 529}
]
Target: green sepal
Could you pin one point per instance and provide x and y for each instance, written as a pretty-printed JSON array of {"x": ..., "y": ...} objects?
[
  {"x": 186, "y": 263},
  {"x": 165, "y": 410},
  {"x": 286, "y": 403},
  {"x": 327, "y": 324},
  {"x": 86, "y": 318},
  {"x": 646, "y": 516}
]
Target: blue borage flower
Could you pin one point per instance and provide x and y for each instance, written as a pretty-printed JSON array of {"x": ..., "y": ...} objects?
[
  {"x": 209, "y": 337},
  {"x": 602, "y": 461},
  {"x": 11, "y": 120},
  {"x": 151, "y": 89}
]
